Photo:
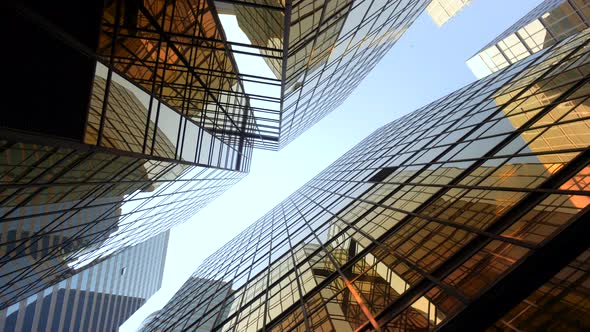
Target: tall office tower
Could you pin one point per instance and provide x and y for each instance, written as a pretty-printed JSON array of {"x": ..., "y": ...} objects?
[
  {"x": 97, "y": 299},
  {"x": 467, "y": 213},
  {"x": 441, "y": 11},
  {"x": 130, "y": 116},
  {"x": 115, "y": 139},
  {"x": 317, "y": 51},
  {"x": 547, "y": 24}
]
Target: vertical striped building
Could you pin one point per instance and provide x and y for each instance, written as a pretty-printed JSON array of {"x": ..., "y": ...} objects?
[{"x": 99, "y": 298}]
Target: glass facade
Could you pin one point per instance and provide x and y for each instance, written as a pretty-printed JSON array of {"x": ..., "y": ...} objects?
[
  {"x": 441, "y": 11},
  {"x": 561, "y": 304},
  {"x": 139, "y": 115},
  {"x": 97, "y": 299},
  {"x": 547, "y": 24},
  {"x": 177, "y": 54},
  {"x": 67, "y": 205},
  {"x": 216, "y": 309},
  {"x": 318, "y": 51},
  {"x": 447, "y": 218}
]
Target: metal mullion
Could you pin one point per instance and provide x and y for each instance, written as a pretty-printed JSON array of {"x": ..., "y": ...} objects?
[
  {"x": 155, "y": 77},
  {"x": 265, "y": 110},
  {"x": 252, "y": 4},
  {"x": 352, "y": 226},
  {"x": 296, "y": 273},
  {"x": 578, "y": 14},
  {"x": 178, "y": 53},
  {"x": 266, "y": 296},
  {"x": 192, "y": 38},
  {"x": 46, "y": 156},
  {"x": 107, "y": 87},
  {"x": 73, "y": 208},
  {"x": 212, "y": 61},
  {"x": 432, "y": 219},
  {"x": 244, "y": 287},
  {"x": 510, "y": 290},
  {"x": 286, "y": 23},
  {"x": 156, "y": 120},
  {"x": 349, "y": 284},
  {"x": 470, "y": 187},
  {"x": 321, "y": 19},
  {"x": 185, "y": 105},
  {"x": 328, "y": 279},
  {"x": 30, "y": 196},
  {"x": 229, "y": 55},
  {"x": 563, "y": 291},
  {"x": 321, "y": 27},
  {"x": 150, "y": 52},
  {"x": 339, "y": 61}
]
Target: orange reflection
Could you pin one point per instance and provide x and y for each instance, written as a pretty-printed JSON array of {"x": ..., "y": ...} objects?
[
  {"x": 581, "y": 182},
  {"x": 362, "y": 304}
]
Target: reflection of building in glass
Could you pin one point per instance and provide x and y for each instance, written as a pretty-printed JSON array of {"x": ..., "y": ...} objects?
[
  {"x": 441, "y": 219},
  {"x": 198, "y": 290},
  {"x": 441, "y": 11},
  {"x": 561, "y": 304},
  {"x": 66, "y": 204},
  {"x": 547, "y": 24},
  {"x": 97, "y": 299}
]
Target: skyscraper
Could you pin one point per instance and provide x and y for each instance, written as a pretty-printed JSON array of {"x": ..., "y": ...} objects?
[
  {"x": 130, "y": 116},
  {"x": 326, "y": 51},
  {"x": 548, "y": 23},
  {"x": 99, "y": 298},
  {"x": 459, "y": 216}
]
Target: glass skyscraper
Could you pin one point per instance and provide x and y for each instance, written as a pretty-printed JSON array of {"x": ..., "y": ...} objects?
[
  {"x": 548, "y": 23},
  {"x": 329, "y": 47},
  {"x": 99, "y": 298},
  {"x": 469, "y": 213},
  {"x": 130, "y": 116}
]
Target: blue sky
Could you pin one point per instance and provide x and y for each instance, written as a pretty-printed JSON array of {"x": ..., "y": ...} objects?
[{"x": 426, "y": 63}]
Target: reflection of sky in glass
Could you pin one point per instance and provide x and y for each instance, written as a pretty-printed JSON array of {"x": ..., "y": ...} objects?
[{"x": 134, "y": 211}]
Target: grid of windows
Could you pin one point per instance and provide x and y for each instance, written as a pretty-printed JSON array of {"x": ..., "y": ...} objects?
[
  {"x": 548, "y": 23},
  {"x": 97, "y": 299},
  {"x": 161, "y": 124},
  {"x": 177, "y": 53},
  {"x": 332, "y": 46},
  {"x": 414, "y": 227},
  {"x": 441, "y": 11},
  {"x": 319, "y": 51},
  {"x": 216, "y": 310},
  {"x": 563, "y": 303},
  {"x": 63, "y": 208}
]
